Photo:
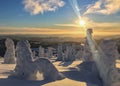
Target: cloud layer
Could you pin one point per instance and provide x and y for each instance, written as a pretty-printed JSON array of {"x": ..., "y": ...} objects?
[
  {"x": 41, "y": 6},
  {"x": 104, "y": 7},
  {"x": 71, "y": 32}
]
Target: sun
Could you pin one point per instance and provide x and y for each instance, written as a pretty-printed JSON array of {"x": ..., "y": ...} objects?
[{"x": 82, "y": 23}]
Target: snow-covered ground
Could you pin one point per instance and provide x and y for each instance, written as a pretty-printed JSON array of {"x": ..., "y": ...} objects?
[{"x": 73, "y": 77}]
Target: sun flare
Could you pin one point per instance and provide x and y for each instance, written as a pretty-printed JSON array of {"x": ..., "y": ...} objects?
[{"x": 82, "y": 23}]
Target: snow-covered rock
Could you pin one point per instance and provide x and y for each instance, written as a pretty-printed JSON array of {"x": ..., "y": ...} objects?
[{"x": 9, "y": 57}]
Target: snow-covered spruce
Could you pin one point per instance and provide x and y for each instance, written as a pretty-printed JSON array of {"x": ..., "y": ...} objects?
[
  {"x": 41, "y": 52},
  {"x": 108, "y": 54},
  {"x": 70, "y": 53},
  {"x": 79, "y": 53},
  {"x": 59, "y": 53},
  {"x": 26, "y": 68},
  {"x": 50, "y": 52},
  {"x": 34, "y": 54},
  {"x": 105, "y": 58},
  {"x": 87, "y": 54},
  {"x": 9, "y": 57}
]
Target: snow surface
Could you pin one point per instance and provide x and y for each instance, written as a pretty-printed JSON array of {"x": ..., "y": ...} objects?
[{"x": 73, "y": 78}]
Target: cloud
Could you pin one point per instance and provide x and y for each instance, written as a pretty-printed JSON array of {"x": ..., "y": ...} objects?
[
  {"x": 71, "y": 32},
  {"x": 67, "y": 25},
  {"x": 91, "y": 24},
  {"x": 37, "y": 31},
  {"x": 41, "y": 6},
  {"x": 104, "y": 7},
  {"x": 105, "y": 24}
]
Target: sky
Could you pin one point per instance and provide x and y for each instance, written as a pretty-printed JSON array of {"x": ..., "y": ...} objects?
[{"x": 59, "y": 17}]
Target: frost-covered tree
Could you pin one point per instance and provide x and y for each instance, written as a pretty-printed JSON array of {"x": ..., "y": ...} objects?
[
  {"x": 108, "y": 54},
  {"x": 59, "y": 53},
  {"x": 34, "y": 54},
  {"x": 41, "y": 52},
  {"x": 9, "y": 57},
  {"x": 26, "y": 67},
  {"x": 70, "y": 53},
  {"x": 50, "y": 52},
  {"x": 87, "y": 54}
]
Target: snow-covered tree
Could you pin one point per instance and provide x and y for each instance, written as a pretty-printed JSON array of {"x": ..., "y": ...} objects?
[{"x": 9, "y": 57}]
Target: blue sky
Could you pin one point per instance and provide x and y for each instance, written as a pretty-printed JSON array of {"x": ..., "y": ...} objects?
[
  {"x": 19, "y": 15},
  {"x": 14, "y": 14}
]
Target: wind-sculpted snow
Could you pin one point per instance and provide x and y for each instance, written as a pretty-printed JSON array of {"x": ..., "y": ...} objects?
[
  {"x": 26, "y": 68},
  {"x": 48, "y": 69},
  {"x": 9, "y": 57}
]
